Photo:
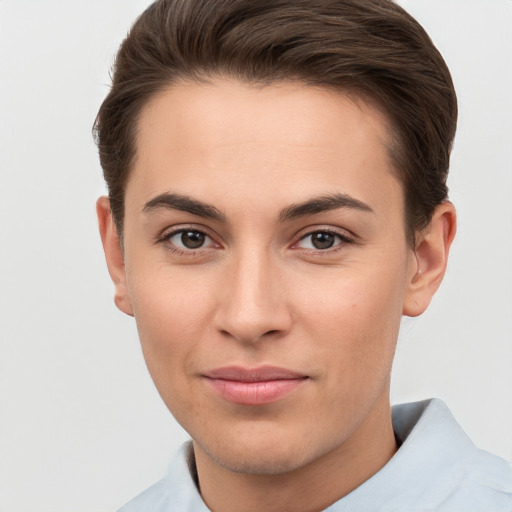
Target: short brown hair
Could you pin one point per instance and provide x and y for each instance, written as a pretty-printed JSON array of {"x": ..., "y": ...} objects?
[{"x": 371, "y": 48}]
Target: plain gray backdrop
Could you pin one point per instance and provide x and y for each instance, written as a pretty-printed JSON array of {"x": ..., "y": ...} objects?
[{"x": 81, "y": 426}]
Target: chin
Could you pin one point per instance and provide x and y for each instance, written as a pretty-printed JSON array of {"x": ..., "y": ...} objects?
[
  {"x": 263, "y": 458},
  {"x": 260, "y": 464}
]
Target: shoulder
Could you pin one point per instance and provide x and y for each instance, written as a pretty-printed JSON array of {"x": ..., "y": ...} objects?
[
  {"x": 154, "y": 498},
  {"x": 436, "y": 469},
  {"x": 176, "y": 492},
  {"x": 485, "y": 481},
  {"x": 456, "y": 474}
]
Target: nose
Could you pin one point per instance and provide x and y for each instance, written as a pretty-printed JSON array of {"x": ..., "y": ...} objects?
[{"x": 253, "y": 304}]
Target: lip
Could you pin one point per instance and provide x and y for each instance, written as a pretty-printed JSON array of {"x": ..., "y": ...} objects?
[{"x": 254, "y": 386}]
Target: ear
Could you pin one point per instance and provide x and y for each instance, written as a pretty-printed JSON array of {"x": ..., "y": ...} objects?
[
  {"x": 429, "y": 259},
  {"x": 113, "y": 254}
]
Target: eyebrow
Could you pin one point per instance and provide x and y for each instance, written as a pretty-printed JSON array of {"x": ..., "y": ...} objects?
[
  {"x": 312, "y": 206},
  {"x": 322, "y": 204},
  {"x": 184, "y": 204}
]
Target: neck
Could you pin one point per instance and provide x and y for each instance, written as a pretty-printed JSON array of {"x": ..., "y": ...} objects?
[{"x": 311, "y": 487}]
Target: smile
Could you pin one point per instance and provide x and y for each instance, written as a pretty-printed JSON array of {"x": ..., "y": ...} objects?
[{"x": 257, "y": 386}]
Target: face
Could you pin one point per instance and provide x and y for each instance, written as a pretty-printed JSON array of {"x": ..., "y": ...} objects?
[{"x": 266, "y": 264}]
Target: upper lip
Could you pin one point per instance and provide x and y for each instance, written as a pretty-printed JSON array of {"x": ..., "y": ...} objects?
[{"x": 259, "y": 374}]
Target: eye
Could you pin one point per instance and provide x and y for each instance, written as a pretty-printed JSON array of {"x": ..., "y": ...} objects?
[
  {"x": 189, "y": 239},
  {"x": 321, "y": 240}
]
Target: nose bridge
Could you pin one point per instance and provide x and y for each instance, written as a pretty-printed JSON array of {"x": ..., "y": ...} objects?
[{"x": 253, "y": 303}]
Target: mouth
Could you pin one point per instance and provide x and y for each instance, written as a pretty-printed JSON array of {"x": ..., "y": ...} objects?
[{"x": 254, "y": 386}]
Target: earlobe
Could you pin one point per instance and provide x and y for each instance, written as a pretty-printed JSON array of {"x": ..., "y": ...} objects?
[
  {"x": 430, "y": 258},
  {"x": 113, "y": 255}
]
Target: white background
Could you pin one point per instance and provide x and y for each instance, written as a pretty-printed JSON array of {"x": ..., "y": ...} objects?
[{"x": 81, "y": 425}]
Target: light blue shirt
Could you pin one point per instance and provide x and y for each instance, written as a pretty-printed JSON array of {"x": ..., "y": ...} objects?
[{"x": 437, "y": 468}]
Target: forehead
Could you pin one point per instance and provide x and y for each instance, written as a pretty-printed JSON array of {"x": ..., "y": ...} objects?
[
  {"x": 236, "y": 136},
  {"x": 226, "y": 110}
]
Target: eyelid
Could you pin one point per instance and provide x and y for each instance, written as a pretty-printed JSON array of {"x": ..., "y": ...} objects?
[
  {"x": 178, "y": 228},
  {"x": 171, "y": 231},
  {"x": 346, "y": 237}
]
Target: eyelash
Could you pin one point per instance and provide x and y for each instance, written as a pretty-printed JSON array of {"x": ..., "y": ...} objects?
[
  {"x": 166, "y": 239},
  {"x": 343, "y": 238}
]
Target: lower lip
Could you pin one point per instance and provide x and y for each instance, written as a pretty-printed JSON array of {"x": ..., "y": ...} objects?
[{"x": 255, "y": 393}]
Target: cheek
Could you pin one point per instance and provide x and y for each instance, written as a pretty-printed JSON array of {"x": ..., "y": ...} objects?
[
  {"x": 171, "y": 322},
  {"x": 358, "y": 319},
  {"x": 172, "y": 316}
]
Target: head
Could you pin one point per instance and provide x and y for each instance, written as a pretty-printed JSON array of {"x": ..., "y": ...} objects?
[{"x": 277, "y": 201}]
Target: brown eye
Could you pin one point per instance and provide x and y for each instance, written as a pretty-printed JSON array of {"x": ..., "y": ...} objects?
[
  {"x": 322, "y": 240},
  {"x": 189, "y": 239},
  {"x": 192, "y": 239}
]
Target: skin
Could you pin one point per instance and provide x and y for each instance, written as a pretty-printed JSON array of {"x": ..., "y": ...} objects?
[{"x": 258, "y": 292}]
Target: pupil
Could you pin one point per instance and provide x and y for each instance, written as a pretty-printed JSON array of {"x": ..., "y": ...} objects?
[
  {"x": 192, "y": 239},
  {"x": 322, "y": 240}
]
